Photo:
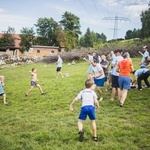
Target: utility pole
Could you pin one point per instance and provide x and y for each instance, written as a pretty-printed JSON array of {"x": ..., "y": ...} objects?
[{"x": 116, "y": 19}]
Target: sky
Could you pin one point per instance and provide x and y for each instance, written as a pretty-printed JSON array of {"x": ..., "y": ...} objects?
[{"x": 95, "y": 14}]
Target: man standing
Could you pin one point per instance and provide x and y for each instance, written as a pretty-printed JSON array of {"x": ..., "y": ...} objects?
[
  {"x": 145, "y": 59},
  {"x": 115, "y": 74},
  {"x": 105, "y": 64},
  {"x": 124, "y": 68}
]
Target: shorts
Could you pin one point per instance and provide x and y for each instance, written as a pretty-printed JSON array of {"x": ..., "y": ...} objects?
[
  {"x": 33, "y": 83},
  {"x": 115, "y": 83},
  {"x": 1, "y": 94},
  {"x": 87, "y": 111},
  {"x": 99, "y": 82},
  {"x": 124, "y": 82},
  {"x": 58, "y": 69}
]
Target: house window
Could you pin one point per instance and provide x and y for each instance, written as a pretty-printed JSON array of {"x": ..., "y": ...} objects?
[
  {"x": 38, "y": 51},
  {"x": 52, "y": 51}
]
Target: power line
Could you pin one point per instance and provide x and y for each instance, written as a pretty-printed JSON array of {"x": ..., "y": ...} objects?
[
  {"x": 96, "y": 8},
  {"x": 84, "y": 7},
  {"x": 116, "y": 19}
]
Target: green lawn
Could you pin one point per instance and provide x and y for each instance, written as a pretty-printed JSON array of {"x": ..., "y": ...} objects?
[{"x": 44, "y": 122}]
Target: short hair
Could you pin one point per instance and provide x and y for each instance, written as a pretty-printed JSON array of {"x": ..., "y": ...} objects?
[
  {"x": 89, "y": 83},
  {"x": 95, "y": 60},
  {"x": 118, "y": 51},
  {"x": 126, "y": 54},
  {"x": 33, "y": 69}
]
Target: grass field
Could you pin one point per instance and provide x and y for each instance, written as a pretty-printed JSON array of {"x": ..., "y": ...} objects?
[{"x": 44, "y": 122}]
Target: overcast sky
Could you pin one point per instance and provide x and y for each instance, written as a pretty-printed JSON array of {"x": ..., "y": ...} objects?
[{"x": 25, "y": 13}]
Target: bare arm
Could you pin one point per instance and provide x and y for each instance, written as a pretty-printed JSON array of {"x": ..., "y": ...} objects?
[
  {"x": 135, "y": 80},
  {"x": 96, "y": 103},
  {"x": 140, "y": 53},
  {"x": 87, "y": 60},
  {"x": 72, "y": 103},
  {"x": 117, "y": 69}
]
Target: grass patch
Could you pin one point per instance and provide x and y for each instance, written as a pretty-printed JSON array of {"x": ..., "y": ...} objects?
[{"x": 40, "y": 122}]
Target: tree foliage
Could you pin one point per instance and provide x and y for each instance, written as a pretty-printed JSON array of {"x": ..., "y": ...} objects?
[
  {"x": 71, "y": 25},
  {"x": 27, "y": 38},
  {"x": 136, "y": 33},
  {"x": 145, "y": 19},
  {"x": 7, "y": 40},
  {"x": 90, "y": 38},
  {"x": 46, "y": 31}
]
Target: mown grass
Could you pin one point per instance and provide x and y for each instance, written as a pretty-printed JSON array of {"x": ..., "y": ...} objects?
[{"x": 44, "y": 122}]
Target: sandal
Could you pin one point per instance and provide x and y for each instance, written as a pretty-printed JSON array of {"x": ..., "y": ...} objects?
[{"x": 95, "y": 139}]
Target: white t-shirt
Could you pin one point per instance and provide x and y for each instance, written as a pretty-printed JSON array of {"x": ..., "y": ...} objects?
[
  {"x": 59, "y": 62},
  {"x": 96, "y": 69},
  {"x": 87, "y": 96},
  {"x": 115, "y": 62}
]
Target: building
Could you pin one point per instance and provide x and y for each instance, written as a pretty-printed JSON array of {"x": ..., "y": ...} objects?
[
  {"x": 34, "y": 51},
  {"x": 41, "y": 51}
]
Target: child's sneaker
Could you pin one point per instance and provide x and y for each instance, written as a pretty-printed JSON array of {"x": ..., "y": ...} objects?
[{"x": 81, "y": 136}]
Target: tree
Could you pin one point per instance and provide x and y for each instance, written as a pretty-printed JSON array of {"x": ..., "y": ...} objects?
[
  {"x": 27, "y": 38},
  {"x": 88, "y": 38},
  {"x": 129, "y": 35},
  {"x": 46, "y": 31},
  {"x": 101, "y": 37},
  {"x": 71, "y": 25},
  {"x": 11, "y": 30},
  {"x": 145, "y": 19},
  {"x": 60, "y": 36},
  {"x": 7, "y": 40},
  {"x": 136, "y": 33}
]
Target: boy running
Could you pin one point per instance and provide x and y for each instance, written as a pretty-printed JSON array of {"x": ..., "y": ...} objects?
[{"x": 34, "y": 82}]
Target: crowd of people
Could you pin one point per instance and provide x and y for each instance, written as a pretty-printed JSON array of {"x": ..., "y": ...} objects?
[
  {"x": 103, "y": 71},
  {"x": 116, "y": 70}
]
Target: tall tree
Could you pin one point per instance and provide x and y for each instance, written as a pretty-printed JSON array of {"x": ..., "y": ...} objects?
[
  {"x": 60, "y": 36},
  {"x": 27, "y": 38},
  {"x": 71, "y": 25},
  {"x": 145, "y": 19},
  {"x": 88, "y": 38},
  {"x": 46, "y": 31}
]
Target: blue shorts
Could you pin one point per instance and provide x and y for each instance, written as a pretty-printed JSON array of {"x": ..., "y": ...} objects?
[
  {"x": 99, "y": 82},
  {"x": 87, "y": 111},
  {"x": 124, "y": 82}
]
